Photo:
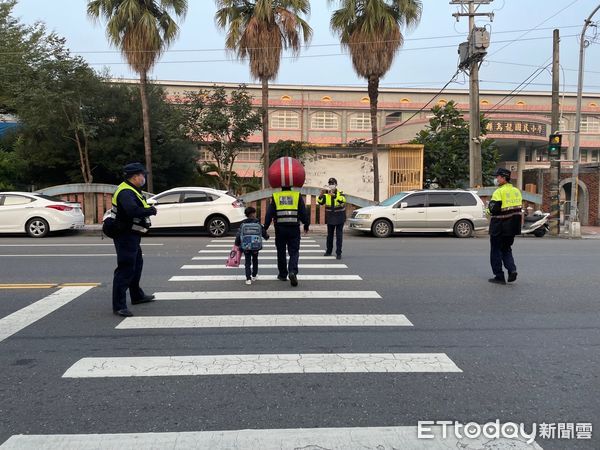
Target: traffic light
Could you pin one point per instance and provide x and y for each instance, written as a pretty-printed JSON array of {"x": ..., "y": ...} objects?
[{"x": 554, "y": 145}]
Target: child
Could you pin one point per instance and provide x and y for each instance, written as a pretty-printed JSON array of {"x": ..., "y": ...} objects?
[{"x": 247, "y": 234}]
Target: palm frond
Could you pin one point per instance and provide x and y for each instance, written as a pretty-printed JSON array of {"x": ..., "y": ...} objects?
[
  {"x": 141, "y": 29},
  {"x": 261, "y": 30}
]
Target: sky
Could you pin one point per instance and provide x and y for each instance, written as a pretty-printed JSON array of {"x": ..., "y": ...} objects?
[{"x": 521, "y": 42}]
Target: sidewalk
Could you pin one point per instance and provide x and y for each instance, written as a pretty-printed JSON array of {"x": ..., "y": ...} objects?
[{"x": 590, "y": 232}]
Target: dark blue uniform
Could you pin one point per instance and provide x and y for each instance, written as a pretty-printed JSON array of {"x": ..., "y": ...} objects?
[
  {"x": 129, "y": 253},
  {"x": 287, "y": 237}
]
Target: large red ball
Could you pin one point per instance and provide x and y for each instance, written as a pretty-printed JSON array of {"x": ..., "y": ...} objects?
[{"x": 286, "y": 172}]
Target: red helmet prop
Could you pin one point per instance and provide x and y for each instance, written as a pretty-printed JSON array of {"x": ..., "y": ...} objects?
[{"x": 286, "y": 172}]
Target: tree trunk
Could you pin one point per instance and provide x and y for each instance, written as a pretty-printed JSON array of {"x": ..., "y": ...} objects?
[
  {"x": 265, "y": 131},
  {"x": 84, "y": 161},
  {"x": 230, "y": 174},
  {"x": 146, "y": 121},
  {"x": 86, "y": 155},
  {"x": 373, "y": 96}
]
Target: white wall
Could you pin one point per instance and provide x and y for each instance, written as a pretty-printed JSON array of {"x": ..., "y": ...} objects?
[{"x": 354, "y": 175}]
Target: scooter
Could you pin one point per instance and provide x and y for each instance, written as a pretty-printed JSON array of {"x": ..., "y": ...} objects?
[{"x": 536, "y": 224}]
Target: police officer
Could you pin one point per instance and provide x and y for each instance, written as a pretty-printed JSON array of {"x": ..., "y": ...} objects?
[
  {"x": 335, "y": 216},
  {"x": 505, "y": 209},
  {"x": 132, "y": 217},
  {"x": 287, "y": 210}
]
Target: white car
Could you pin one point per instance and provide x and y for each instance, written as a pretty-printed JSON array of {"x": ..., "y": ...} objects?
[
  {"x": 440, "y": 211},
  {"x": 189, "y": 208},
  {"x": 37, "y": 215}
]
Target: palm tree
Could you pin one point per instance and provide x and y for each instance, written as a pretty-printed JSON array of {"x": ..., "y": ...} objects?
[
  {"x": 260, "y": 30},
  {"x": 142, "y": 30},
  {"x": 371, "y": 30}
]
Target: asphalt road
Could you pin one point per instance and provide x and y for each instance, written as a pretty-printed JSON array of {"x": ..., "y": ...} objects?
[{"x": 524, "y": 353}]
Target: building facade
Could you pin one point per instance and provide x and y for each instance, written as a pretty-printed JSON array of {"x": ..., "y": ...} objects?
[{"x": 333, "y": 118}]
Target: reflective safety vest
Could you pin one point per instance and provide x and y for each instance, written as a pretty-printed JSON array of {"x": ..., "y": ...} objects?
[
  {"x": 286, "y": 206},
  {"x": 510, "y": 200},
  {"x": 334, "y": 204},
  {"x": 140, "y": 224}
]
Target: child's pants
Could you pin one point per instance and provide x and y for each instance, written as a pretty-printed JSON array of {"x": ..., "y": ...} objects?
[{"x": 251, "y": 264}]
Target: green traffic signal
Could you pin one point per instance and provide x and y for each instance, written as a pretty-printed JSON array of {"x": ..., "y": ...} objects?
[{"x": 554, "y": 144}]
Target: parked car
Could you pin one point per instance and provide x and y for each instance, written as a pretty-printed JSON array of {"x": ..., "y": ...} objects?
[
  {"x": 37, "y": 215},
  {"x": 423, "y": 211},
  {"x": 191, "y": 208}
]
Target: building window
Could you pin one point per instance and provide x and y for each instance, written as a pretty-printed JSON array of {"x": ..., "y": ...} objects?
[
  {"x": 405, "y": 100},
  {"x": 542, "y": 155},
  {"x": 286, "y": 98},
  {"x": 593, "y": 105},
  {"x": 584, "y": 156},
  {"x": 327, "y": 99},
  {"x": 521, "y": 103},
  {"x": 365, "y": 100},
  {"x": 590, "y": 124},
  {"x": 442, "y": 102},
  {"x": 324, "y": 120},
  {"x": 360, "y": 122},
  {"x": 285, "y": 120},
  {"x": 594, "y": 155},
  {"x": 528, "y": 155},
  {"x": 485, "y": 102},
  {"x": 206, "y": 155},
  {"x": 394, "y": 117},
  {"x": 249, "y": 154}
]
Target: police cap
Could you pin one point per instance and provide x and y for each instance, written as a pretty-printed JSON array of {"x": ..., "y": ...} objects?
[
  {"x": 502, "y": 172},
  {"x": 133, "y": 169},
  {"x": 332, "y": 181}
]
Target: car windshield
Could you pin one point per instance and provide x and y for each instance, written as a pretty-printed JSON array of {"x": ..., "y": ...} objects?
[{"x": 394, "y": 199}]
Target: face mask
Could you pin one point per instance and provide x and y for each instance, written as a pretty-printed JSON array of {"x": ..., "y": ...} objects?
[
  {"x": 143, "y": 181},
  {"x": 496, "y": 182},
  {"x": 332, "y": 187}
]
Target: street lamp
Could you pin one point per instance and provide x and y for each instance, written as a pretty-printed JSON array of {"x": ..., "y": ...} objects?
[{"x": 574, "y": 225}]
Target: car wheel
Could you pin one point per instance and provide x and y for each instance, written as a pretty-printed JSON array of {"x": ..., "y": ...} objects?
[
  {"x": 463, "y": 229},
  {"x": 540, "y": 232},
  {"x": 37, "y": 228},
  {"x": 382, "y": 228},
  {"x": 217, "y": 226}
]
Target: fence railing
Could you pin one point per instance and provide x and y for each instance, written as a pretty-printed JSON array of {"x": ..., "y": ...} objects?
[
  {"x": 95, "y": 198},
  {"x": 261, "y": 199}
]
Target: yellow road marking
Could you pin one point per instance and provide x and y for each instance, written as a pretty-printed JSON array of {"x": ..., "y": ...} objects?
[
  {"x": 28, "y": 286},
  {"x": 79, "y": 284}
]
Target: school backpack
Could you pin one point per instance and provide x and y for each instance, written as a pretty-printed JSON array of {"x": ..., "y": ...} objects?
[{"x": 251, "y": 237}]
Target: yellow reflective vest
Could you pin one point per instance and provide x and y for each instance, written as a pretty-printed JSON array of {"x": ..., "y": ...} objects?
[
  {"x": 505, "y": 209},
  {"x": 335, "y": 207},
  {"x": 287, "y": 204},
  {"x": 140, "y": 224}
]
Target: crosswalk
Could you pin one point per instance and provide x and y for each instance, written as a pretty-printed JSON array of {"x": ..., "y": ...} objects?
[
  {"x": 213, "y": 287},
  {"x": 198, "y": 365},
  {"x": 18, "y": 320}
]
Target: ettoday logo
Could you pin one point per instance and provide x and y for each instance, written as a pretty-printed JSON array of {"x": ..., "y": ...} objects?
[
  {"x": 472, "y": 430},
  {"x": 508, "y": 430}
]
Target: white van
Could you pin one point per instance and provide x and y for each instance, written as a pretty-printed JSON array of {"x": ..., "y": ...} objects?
[{"x": 424, "y": 211}]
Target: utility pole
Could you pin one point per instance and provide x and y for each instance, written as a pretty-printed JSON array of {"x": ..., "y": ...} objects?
[
  {"x": 574, "y": 225},
  {"x": 472, "y": 55},
  {"x": 555, "y": 162}
]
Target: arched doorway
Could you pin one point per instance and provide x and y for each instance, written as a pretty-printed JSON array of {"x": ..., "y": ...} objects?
[{"x": 583, "y": 200}]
